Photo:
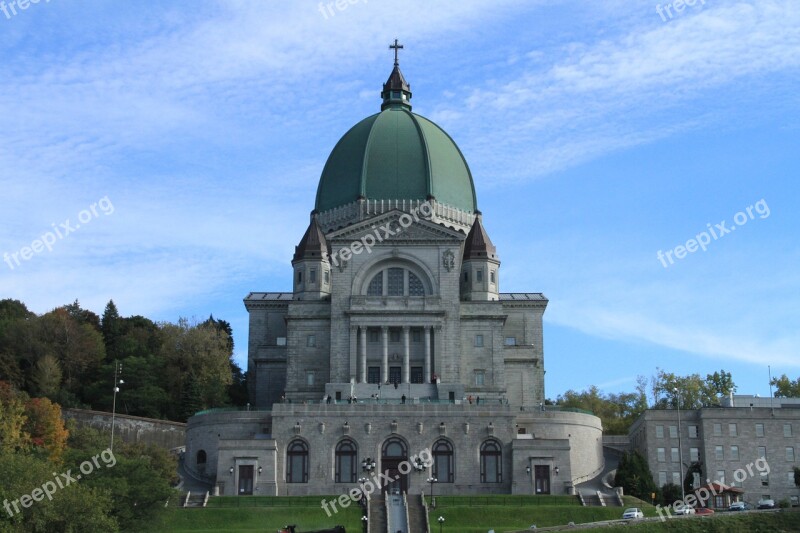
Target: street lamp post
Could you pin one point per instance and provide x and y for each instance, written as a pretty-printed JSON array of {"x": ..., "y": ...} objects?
[
  {"x": 117, "y": 382},
  {"x": 432, "y": 480},
  {"x": 441, "y": 522},
  {"x": 361, "y": 482},
  {"x": 680, "y": 448}
]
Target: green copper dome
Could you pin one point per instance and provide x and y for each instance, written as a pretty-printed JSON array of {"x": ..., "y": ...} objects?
[{"x": 396, "y": 155}]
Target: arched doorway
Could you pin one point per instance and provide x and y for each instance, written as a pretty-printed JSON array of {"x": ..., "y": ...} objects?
[{"x": 394, "y": 453}]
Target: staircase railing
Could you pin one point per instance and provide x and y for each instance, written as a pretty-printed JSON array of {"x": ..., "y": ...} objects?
[
  {"x": 186, "y": 501},
  {"x": 425, "y": 513},
  {"x": 405, "y": 506},
  {"x": 388, "y": 513}
]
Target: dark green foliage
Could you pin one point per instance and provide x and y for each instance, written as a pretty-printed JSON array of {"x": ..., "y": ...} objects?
[
  {"x": 688, "y": 480},
  {"x": 634, "y": 476},
  {"x": 670, "y": 493},
  {"x": 169, "y": 370}
]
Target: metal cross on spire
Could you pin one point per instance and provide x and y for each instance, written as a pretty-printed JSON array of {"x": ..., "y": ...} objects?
[{"x": 396, "y": 46}]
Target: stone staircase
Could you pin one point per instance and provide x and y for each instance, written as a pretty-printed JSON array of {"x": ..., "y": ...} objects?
[
  {"x": 195, "y": 499},
  {"x": 377, "y": 515},
  {"x": 417, "y": 514}
]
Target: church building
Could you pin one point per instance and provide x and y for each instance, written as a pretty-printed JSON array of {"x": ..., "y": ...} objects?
[{"x": 395, "y": 341}]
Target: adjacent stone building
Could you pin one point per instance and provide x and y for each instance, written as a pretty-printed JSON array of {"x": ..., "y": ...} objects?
[
  {"x": 749, "y": 443},
  {"x": 395, "y": 339}
]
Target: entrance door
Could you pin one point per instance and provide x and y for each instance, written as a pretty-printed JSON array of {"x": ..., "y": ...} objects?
[
  {"x": 246, "y": 480},
  {"x": 394, "y": 453},
  {"x": 542, "y": 479},
  {"x": 394, "y": 374}
]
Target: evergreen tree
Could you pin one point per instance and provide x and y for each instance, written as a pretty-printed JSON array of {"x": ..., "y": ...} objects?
[{"x": 634, "y": 476}]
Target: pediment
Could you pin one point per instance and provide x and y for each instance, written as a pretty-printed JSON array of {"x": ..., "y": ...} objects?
[{"x": 388, "y": 227}]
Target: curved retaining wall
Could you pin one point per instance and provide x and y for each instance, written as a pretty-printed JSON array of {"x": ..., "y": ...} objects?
[{"x": 136, "y": 429}]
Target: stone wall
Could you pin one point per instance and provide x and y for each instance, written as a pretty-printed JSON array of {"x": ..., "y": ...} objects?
[{"x": 163, "y": 433}]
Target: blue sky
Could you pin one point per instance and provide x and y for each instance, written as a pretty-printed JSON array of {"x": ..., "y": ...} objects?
[{"x": 598, "y": 134}]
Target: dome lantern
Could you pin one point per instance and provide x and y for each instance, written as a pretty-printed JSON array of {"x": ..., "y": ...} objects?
[{"x": 396, "y": 91}]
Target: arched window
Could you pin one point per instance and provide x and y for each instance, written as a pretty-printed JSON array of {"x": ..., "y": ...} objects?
[
  {"x": 201, "y": 457},
  {"x": 491, "y": 462},
  {"x": 443, "y": 461},
  {"x": 297, "y": 462},
  {"x": 415, "y": 286},
  {"x": 395, "y": 281},
  {"x": 376, "y": 285},
  {"x": 394, "y": 448},
  {"x": 346, "y": 462}
]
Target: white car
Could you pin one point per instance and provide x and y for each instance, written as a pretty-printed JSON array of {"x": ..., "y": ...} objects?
[
  {"x": 632, "y": 513},
  {"x": 685, "y": 510}
]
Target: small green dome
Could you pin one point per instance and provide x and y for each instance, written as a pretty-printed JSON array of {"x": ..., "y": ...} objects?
[{"x": 396, "y": 155}]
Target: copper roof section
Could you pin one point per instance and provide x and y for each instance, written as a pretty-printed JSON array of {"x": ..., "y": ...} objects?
[
  {"x": 478, "y": 245},
  {"x": 313, "y": 244}
]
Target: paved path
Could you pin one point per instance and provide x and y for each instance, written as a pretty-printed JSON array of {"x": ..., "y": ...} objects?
[{"x": 397, "y": 513}]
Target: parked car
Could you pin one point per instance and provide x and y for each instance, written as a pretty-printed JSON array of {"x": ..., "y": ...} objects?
[
  {"x": 740, "y": 506},
  {"x": 766, "y": 504},
  {"x": 685, "y": 510},
  {"x": 632, "y": 513},
  {"x": 704, "y": 511}
]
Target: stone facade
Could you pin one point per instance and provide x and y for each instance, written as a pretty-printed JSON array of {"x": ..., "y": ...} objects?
[
  {"x": 395, "y": 340},
  {"x": 734, "y": 445}
]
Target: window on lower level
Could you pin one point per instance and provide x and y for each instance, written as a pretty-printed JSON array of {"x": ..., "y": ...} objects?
[
  {"x": 511, "y": 341},
  {"x": 311, "y": 341},
  {"x": 480, "y": 378},
  {"x": 479, "y": 341},
  {"x": 759, "y": 430},
  {"x": 280, "y": 341}
]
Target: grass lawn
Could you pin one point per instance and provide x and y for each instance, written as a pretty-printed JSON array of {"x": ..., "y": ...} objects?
[
  {"x": 755, "y": 522},
  {"x": 258, "y": 513},
  {"x": 478, "y": 514}
]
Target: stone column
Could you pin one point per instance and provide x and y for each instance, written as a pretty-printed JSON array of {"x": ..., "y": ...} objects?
[
  {"x": 427, "y": 354},
  {"x": 385, "y": 339},
  {"x": 363, "y": 353},
  {"x": 406, "y": 355}
]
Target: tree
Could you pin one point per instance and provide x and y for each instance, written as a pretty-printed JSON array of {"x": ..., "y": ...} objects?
[
  {"x": 720, "y": 383},
  {"x": 694, "y": 392},
  {"x": 136, "y": 477},
  {"x": 670, "y": 493},
  {"x": 76, "y": 508},
  {"x": 46, "y": 427},
  {"x": 46, "y": 376},
  {"x": 78, "y": 347},
  {"x": 196, "y": 356},
  {"x": 111, "y": 327},
  {"x": 634, "y": 476},
  {"x": 785, "y": 387},
  {"x": 797, "y": 476},
  {"x": 13, "y": 436},
  {"x": 688, "y": 480},
  {"x": 617, "y": 411}
]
